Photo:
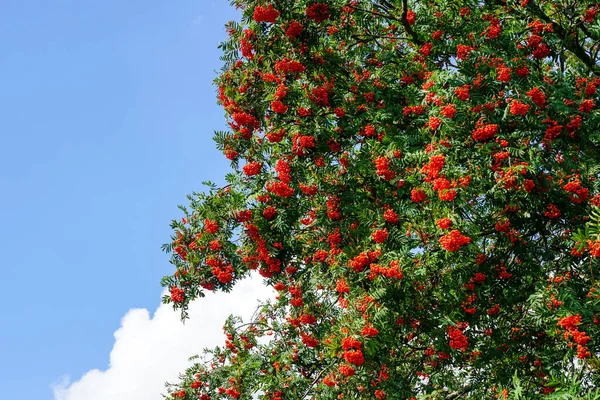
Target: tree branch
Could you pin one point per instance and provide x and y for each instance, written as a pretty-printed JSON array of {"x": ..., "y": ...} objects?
[
  {"x": 570, "y": 43},
  {"x": 458, "y": 393},
  {"x": 407, "y": 26}
]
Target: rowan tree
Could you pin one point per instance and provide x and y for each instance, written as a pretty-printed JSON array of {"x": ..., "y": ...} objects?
[{"x": 418, "y": 182}]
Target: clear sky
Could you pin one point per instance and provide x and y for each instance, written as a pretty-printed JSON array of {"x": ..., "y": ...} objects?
[{"x": 107, "y": 112}]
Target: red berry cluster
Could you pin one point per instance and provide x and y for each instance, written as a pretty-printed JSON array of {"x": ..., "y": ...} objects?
[
  {"x": 458, "y": 340},
  {"x": 571, "y": 324},
  {"x": 485, "y": 132},
  {"x": 318, "y": 12},
  {"x": 454, "y": 240},
  {"x": 266, "y": 14}
]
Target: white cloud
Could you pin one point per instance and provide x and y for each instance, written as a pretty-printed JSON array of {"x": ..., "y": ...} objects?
[{"x": 151, "y": 351}]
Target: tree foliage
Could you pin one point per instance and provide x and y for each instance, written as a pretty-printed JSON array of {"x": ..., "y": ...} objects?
[{"x": 418, "y": 182}]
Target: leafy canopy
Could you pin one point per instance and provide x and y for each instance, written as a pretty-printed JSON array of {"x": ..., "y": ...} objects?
[{"x": 418, "y": 181}]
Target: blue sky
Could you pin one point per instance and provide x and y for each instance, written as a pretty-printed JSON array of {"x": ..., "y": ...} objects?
[{"x": 107, "y": 113}]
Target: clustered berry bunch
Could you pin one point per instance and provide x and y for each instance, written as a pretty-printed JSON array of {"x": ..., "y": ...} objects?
[{"x": 418, "y": 181}]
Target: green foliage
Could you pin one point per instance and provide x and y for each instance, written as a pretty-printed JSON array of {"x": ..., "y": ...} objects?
[{"x": 419, "y": 182}]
